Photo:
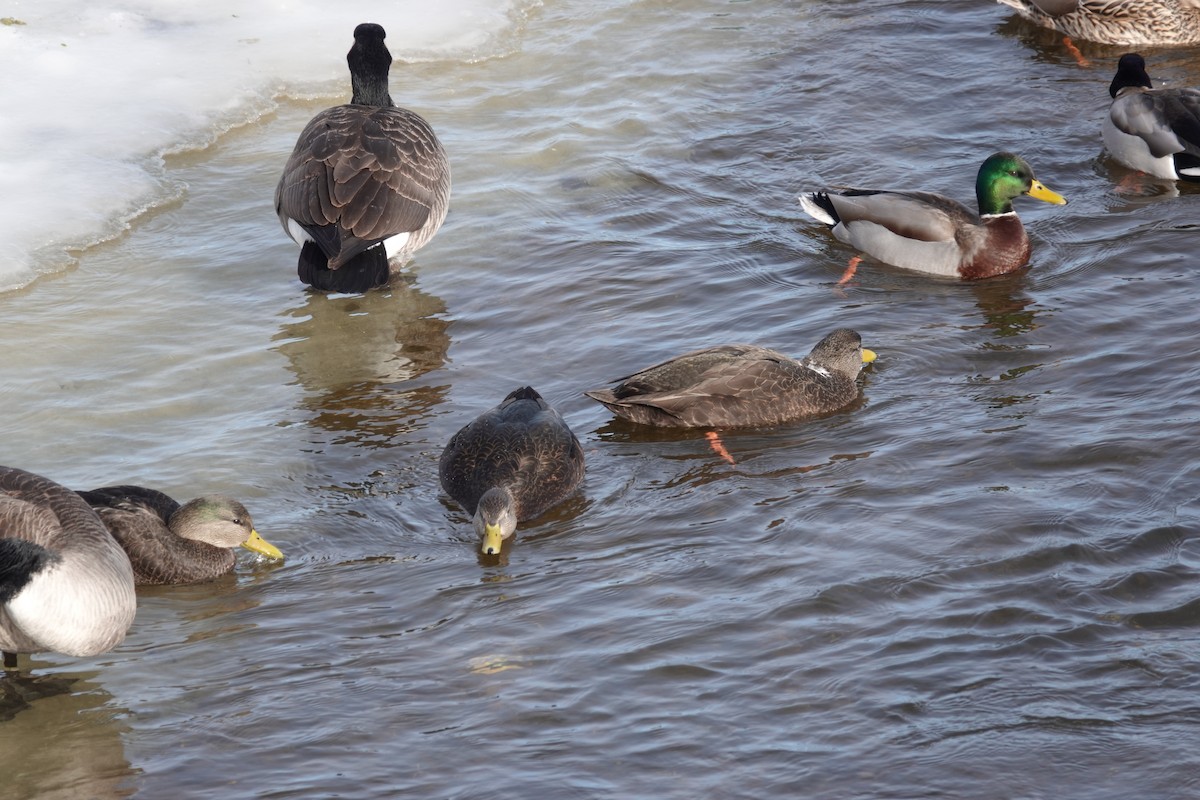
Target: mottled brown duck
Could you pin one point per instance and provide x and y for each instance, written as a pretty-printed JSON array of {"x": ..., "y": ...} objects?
[
  {"x": 1124, "y": 22},
  {"x": 171, "y": 543},
  {"x": 741, "y": 385}
]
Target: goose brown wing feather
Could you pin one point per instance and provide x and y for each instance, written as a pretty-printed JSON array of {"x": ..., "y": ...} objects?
[{"x": 372, "y": 172}]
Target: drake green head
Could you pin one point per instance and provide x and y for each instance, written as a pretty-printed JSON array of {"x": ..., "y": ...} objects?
[{"x": 1004, "y": 176}]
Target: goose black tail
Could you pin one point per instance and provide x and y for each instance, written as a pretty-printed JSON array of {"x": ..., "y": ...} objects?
[
  {"x": 367, "y": 270},
  {"x": 20, "y": 560}
]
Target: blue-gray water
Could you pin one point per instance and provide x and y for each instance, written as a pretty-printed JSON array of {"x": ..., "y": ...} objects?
[{"x": 979, "y": 582}]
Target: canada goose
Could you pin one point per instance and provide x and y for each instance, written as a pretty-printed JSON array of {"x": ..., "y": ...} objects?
[
  {"x": 367, "y": 183},
  {"x": 65, "y": 584}
]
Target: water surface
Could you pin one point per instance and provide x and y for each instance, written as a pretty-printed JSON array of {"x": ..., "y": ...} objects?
[{"x": 980, "y": 581}]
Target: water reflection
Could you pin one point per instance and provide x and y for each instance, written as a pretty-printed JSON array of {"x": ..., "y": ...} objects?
[
  {"x": 61, "y": 739},
  {"x": 350, "y": 352},
  {"x": 1007, "y": 309}
]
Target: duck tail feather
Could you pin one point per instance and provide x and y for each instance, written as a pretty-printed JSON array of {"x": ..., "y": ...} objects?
[{"x": 818, "y": 206}]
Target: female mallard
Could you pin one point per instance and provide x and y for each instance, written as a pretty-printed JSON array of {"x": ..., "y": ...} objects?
[
  {"x": 511, "y": 464},
  {"x": 741, "y": 385},
  {"x": 170, "y": 543},
  {"x": 1127, "y": 22},
  {"x": 368, "y": 182},
  {"x": 1156, "y": 131},
  {"x": 65, "y": 583},
  {"x": 930, "y": 233}
]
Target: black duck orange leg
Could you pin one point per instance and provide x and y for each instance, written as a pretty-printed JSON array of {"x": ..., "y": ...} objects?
[
  {"x": 850, "y": 269},
  {"x": 1074, "y": 51},
  {"x": 714, "y": 441}
]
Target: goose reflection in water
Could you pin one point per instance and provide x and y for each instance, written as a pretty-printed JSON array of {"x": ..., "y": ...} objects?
[
  {"x": 356, "y": 356},
  {"x": 61, "y": 738}
]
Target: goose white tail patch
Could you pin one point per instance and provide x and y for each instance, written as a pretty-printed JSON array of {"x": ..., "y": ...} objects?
[
  {"x": 394, "y": 244},
  {"x": 297, "y": 232}
]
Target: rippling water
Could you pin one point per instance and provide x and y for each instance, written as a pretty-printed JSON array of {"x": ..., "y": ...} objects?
[{"x": 978, "y": 582}]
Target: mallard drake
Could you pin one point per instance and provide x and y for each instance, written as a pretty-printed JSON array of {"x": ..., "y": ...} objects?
[
  {"x": 1127, "y": 22},
  {"x": 367, "y": 184},
  {"x": 741, "y": 385},
  {"x": 1156, "y": 131},
  {"x": 512, "y": 463},
  {"x": 930, "y": 233},
  {"x": 65, "y": 584},
  {"x": 172, "y": 543}
]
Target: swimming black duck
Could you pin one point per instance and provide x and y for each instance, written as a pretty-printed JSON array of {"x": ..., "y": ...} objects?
[
  {"x": 741, "y": 385},
  {"x": 512, "y": 463},
  {"x": 171, "y": 543}
]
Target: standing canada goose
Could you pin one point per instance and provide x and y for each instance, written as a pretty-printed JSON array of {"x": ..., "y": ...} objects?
[
  {"x": 65, "y": 583},
  {"x": 1156, "y": 131},
  {"x": 511, "y": 464},
  {"x": 1127, "y": 22},
  {"x": 368, "y": 182},
  {"x": 741, "y": 386},
  {"x": 930, "y": 233},
  {"x": 172, "y": 543}
]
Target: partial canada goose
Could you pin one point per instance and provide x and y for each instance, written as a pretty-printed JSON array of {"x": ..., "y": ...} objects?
[
  {"x": 1127, "y": 22},
  {"x": 367, "y": 183},
  {"x": 1156, "y": 131},
  {"x": 930, "y": 233},
  {"x": 172, "y": 543},
  {"x": 65, "y": 584},
  {"x": 511, "y": 464},
  {"x": 741, "y": 386}
]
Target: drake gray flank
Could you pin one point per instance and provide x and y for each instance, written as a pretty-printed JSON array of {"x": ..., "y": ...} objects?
[
  {"x": 741, "y": 385},
  {"x": 65, "y": 584},
  {"x": 1156, "y": 131},
  {"x": 367, "y": 184},
  {"x": 512, "y": 463},
  {"x": 1122, "y": 22},
  {"x": 169, "y": 543}
]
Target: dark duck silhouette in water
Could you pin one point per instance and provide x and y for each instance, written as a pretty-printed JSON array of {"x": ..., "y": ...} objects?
[
  {"x": 368, "y": 183},
  {"x": 512, "y": 463}
]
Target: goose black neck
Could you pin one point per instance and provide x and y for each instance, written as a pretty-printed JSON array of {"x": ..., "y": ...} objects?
[{"x": 369, "y": 61}]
